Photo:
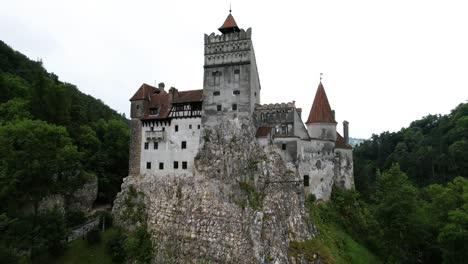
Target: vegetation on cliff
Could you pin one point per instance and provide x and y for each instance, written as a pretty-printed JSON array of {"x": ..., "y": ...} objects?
[{"x": 53, "y": 138}]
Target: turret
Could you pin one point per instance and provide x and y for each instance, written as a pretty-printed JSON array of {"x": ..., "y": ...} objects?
[
  {"x": 231, "y": 86},
  {"x": 140, "y": 101},
  {"x": 139, "y": 104},
  {"x": 321, "y": 123}
]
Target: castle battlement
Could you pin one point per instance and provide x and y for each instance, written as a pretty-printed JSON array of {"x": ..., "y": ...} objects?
[{"x": 235, "y": 36}]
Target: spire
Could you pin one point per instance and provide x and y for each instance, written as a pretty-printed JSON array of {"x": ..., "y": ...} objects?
[
  {"x": 229, "y": 25},
  {"x": 321, "y": 111}
]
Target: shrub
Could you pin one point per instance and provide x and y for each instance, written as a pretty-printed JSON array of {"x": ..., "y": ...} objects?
[
  {"x": 139, "y": 246},
  {"x": 116, "y": 246}
]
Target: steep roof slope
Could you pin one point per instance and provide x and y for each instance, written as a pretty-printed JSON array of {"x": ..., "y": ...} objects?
[{"x": 321, "y": 111}]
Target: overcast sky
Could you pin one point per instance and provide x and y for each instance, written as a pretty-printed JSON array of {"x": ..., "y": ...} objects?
[{"x": 385, "y": 63}]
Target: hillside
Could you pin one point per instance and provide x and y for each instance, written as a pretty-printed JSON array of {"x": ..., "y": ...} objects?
[
  {"x": 53, "y": 139},
  {"x": 411, "y": 203}
]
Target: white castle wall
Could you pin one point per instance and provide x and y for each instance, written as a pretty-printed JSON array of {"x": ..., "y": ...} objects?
[
  {"x": 170, "y": 149},
  {"x": 325, "y": 131},
  {"x": 316, "y": 159}
]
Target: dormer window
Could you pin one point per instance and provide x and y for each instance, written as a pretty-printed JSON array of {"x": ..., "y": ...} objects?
[{"x": 154, "y": 111}]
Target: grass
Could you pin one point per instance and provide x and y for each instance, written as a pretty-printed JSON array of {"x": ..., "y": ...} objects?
[
  {"x": 342, "y": 247},
  {"x": 79, "y": 252}
]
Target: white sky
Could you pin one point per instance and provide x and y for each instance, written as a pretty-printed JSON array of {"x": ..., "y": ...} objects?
[{"x": 385, "y": 63}]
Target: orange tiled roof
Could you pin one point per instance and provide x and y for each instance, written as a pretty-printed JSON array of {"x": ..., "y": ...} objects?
[
  {"x": 321, "y": 111},
  {"x": 229, "y": 25}
]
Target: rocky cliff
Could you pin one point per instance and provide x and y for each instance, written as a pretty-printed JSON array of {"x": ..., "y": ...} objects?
[{"x": 242, "y": 204}]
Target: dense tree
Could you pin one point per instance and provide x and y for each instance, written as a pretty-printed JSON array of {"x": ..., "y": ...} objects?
[
  {"x": 52, "y": 139},
  {"x": 399, "y": 212},
  {"x": 28, "y": 91},
  {"x": 430, "y": 150}
]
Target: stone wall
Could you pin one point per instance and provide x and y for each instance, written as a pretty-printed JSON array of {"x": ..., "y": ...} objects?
[
  {"x": 345, "y": 177},
  {"x": 135, "y": 147},
  {"x": 241, "y": 205}
]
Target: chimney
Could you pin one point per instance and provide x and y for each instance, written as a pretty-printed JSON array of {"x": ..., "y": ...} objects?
[
  {"x": 161, "y": 87},
  {"x": 346, "y": 131},
  {"x": 172, "y": 95}
]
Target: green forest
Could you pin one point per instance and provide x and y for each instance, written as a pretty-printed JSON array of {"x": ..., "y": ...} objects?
[
  {"x": 53, "y": 139},
  {"x": 409, "y": 205}
]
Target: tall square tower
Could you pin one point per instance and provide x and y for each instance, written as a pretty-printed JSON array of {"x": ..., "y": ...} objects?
[{"x": 231, "y": 86}]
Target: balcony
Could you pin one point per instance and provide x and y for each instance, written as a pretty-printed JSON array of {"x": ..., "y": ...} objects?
[{"x": 155, "y": 135}]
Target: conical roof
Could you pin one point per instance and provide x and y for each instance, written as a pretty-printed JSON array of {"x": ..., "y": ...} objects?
[
  {"x": 321, "y": 111},
  {"x": 229, "y": 25}
]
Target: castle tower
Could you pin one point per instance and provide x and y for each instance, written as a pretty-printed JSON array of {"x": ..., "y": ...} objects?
[
  {"x": 139, "y": 104},
  {"x": 231, "y": 86},
  {"x": 321, "y": 123}
]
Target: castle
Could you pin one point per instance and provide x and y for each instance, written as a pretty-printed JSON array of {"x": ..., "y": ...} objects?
[{"x": 167, "y": 125}]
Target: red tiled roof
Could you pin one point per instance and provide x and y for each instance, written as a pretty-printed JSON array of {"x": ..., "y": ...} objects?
[
  {"x": 189, "y": 96},
  {"x": 161, "y": 101},
  {"x": 341, "y": 143},
  {"x": 321, "y": 111},
  {"x": 263, "y": 131},
  {"x": 229, "y": 25},
  {"x": 144, "y": 92}
]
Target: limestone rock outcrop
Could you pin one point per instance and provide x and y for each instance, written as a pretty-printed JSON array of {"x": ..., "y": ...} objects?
[
  {"x": 83, "y": 199},
  {"x": 241, "y": 205}
]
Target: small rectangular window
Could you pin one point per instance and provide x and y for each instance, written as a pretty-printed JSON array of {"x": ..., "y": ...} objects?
[
  {"x": 234, "y": 107},
  {"x": 155, "y": 146},
  {"x": 184, "y": 144},
  {"x": 218, "y": 108},
  {"x": 306, "y": 180},
  {"x": 236, "y": 92},
  {"x": 163, "y": 129},
  {"x": 161, "y": 166},
  {"x": 176, "y": 164},
  {"x": 190, "y": 126},
  {"x": 283, "y": 146},
  {"x": 236, "y": 71},
  {"x": 146, "y": 145},
  {"x": 152, "y": 128},
  {"x": 148, "y": 165},
  {"x": 184, "y": 165},
  {"x": 176, "y": 128},
  {"x": 216, "y": 93},
  {"x": 198, "y": 126}
]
